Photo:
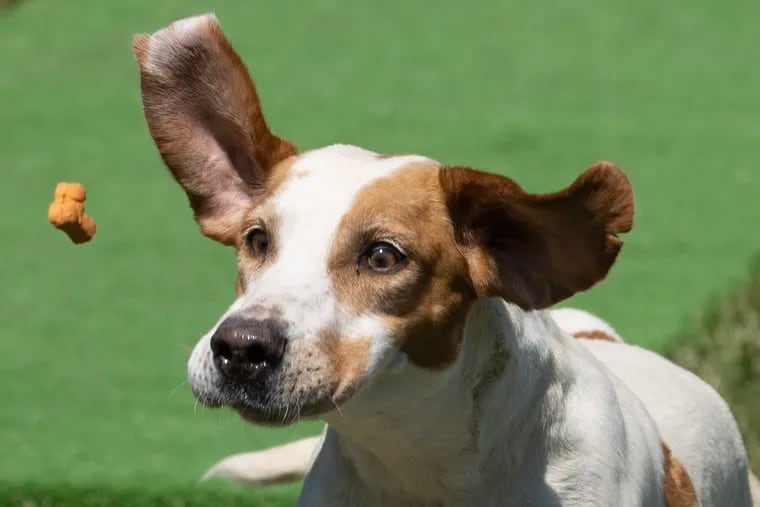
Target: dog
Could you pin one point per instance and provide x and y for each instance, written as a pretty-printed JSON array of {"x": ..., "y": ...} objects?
[{"x": 404, "y": 302}]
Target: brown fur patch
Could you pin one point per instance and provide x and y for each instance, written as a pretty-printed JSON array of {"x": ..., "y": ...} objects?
[
  {"x": 348, "y": 358},
  {"x": 424, "y": 303},
  {"x": 280, "y": 174},
  {"x": 596, "y": 334},
  {"x": 538, "y": 249},
  {"x": 679, "y": 490},
  {"x": 205, "y": 117}
]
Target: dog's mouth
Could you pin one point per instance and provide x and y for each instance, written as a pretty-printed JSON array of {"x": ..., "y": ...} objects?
[
  {"x": 306, "y": 385},
  {"x": 206, "y": 399},
  {"x": 280, "y": 416},
  {"x": 269, "y": 410}
]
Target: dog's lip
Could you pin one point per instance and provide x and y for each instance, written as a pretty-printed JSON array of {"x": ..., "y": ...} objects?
[
  {"x": 265, "y": 417},
  {"x": 285, "y": 416},
  {"x": 280, "y": 416},
  {"x": 277, "y": 415},
  {"x": 288, "y": 415},
  {"x": 206, "y": 399},
  {"x": 210, "y": 403}
]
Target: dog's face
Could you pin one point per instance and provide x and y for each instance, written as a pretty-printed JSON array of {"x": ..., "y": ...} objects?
[
  {"x": 351, "y": 263},
  {"x": 352, "y": 266}
]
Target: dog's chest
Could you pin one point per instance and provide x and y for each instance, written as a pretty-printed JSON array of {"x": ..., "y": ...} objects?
[{"x": 403, "y": 478}]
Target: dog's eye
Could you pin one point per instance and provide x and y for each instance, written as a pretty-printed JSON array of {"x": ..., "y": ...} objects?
[
  {"x": 258, "y": 241},
  {"x": 382, "y": 257}
]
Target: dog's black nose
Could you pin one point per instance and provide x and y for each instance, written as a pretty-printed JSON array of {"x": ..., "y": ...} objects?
[{"x": 243, "y": 348}]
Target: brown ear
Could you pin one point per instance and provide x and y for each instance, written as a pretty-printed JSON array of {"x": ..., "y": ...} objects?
[
  {"x": 205, "y": 118},
  {"x": 536, "y": 250}
]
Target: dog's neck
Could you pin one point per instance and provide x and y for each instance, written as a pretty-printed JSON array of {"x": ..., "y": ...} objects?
[{"x": 421, "y": 433}]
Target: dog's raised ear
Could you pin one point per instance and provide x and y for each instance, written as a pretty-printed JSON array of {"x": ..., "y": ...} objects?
[
  {"x": 204, "y": 115},
  {"x": 536, "y": 250}
]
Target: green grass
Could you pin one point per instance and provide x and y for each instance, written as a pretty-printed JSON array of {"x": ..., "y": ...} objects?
[
  {"x": 144, "y": 495},
  {"x": 94, "y": 338}
]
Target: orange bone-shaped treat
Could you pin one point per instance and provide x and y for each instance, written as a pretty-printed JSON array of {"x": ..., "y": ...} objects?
[{"x": 66, "y": 212}]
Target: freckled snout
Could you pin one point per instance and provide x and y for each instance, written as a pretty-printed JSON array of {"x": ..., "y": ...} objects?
[{"x": 244, "y": 349}]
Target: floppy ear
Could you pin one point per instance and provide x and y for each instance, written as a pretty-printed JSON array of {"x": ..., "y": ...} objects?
[
  {"x": 536, "y": 250},
  {"x": 205, "y": 118}
]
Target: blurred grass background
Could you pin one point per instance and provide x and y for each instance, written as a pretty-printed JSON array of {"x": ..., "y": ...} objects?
[{"x": 94, "y": 339}]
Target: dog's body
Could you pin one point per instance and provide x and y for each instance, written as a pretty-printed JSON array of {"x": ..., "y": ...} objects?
[{"x": 403, "y": 302}]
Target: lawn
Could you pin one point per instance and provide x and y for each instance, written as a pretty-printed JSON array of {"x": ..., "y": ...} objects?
[{"x": 95, "y": 338}]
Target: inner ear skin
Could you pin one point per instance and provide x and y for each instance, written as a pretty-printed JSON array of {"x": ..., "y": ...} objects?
[{"x": 205, "y": 118}]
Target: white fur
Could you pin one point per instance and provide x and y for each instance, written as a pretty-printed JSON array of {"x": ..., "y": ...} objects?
[
  {"x": 165, "y": 43},
  {"x": 754, "y": 486},
  {"x": 557, "y": 427},
  {"x": 574, "y": 320},
  {"x": 284, "y": 463},
  {"x": 692, "y": 418},
  {"x": 532, "y": 445}
]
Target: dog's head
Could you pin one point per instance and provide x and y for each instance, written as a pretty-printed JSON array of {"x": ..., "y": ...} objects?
[{"x": 353, "y": 265}]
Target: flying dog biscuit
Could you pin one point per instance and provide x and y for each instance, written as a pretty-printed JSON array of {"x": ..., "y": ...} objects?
[{"x": 66, "y": 212}]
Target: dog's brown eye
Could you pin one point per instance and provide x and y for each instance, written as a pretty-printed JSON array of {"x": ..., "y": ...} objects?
[
  {"x": 383, "y": 257},
  {"x": 258, "y": 241}
]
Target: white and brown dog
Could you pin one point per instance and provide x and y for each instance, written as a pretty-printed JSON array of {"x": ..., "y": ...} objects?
[{"x": 401, "y": 301}]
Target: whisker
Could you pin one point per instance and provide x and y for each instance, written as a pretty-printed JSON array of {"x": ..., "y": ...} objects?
[
  {"x": 342, "y": 415},
  {"x": 174, "y": 391},
  {"x": 285, "y": 417}
]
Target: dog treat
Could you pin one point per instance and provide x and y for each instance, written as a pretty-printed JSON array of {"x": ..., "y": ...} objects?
[{"x": 66, "y": 212}]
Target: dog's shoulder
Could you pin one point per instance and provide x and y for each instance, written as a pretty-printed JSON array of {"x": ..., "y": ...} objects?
[
  {"x": 588, "y": 436},
  {"x": 614, "y": 444}
]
